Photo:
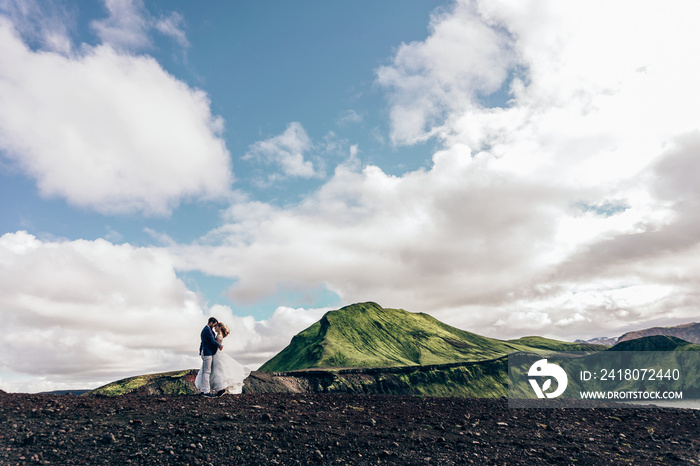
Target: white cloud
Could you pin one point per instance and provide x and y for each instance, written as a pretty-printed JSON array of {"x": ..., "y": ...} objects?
[
  {"x": 43, "y": 23},
  {"x": 349, "y": 117},
  {"x": 77, "y": 314},
  {"x": 108, "y": 131},
  {"x": 254, "y": 342},
  {"x": 91, "y": 310},
  {"x": 286, "y": 151},
  {"x": 513, "y": 230},
  {"x": 499, "y": 235},
  {"x": 159, "y": 237},
  {"x": 464, "y": 57},
  {"x": 173, "y": 26},
  {"x": 411, "y": 241},
  {"x": 129, "y": 24},
  {"x": 126, "y": 27}
]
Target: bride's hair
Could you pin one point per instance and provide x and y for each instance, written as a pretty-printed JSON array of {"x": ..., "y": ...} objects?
[{"x": 224, "y": 330}]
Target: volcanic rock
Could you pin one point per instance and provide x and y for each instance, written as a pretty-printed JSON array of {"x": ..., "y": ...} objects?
[{"x": 336, "y": 429}]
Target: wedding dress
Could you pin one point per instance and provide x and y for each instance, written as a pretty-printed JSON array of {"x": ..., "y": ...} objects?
[{"x": 226, "y": 373}]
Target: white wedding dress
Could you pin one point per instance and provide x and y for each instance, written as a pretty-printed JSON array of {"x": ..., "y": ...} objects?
[{"x": 226, "y": 373}]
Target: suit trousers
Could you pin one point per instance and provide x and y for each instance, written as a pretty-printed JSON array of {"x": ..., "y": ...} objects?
[{"x": 207, "y": 362}]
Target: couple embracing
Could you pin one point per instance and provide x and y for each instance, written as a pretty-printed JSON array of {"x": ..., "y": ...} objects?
[{"x": 220, "y": 373}]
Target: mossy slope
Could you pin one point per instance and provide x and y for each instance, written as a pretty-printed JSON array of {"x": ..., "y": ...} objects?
[{"x": 367, "y": 335}]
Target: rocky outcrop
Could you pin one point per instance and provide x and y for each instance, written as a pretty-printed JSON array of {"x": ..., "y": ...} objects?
[
  {"x": 482, "y": 379},
  {"x": 165, "y": 383}
]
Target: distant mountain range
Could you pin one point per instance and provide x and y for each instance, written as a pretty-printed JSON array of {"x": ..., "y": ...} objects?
[
  {"x": 607, "y": 341},
  {"x": 688, "y": 332},
  {"x": 656, "y": 343}
]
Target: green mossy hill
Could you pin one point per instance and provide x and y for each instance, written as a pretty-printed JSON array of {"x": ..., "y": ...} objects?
[
  {"x": 367, "y": 335},
  {"x": 165, "y": 383},
  {"x": 656, "y": 343}
]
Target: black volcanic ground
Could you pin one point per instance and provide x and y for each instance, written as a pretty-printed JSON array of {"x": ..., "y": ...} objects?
[{"x": 334, "y": 429}]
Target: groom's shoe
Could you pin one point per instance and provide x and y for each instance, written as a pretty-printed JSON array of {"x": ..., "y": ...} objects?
[{"x": 206, "y": 395}]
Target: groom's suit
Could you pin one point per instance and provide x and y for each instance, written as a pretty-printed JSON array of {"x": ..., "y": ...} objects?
[
  {"x": 209, "y": 345},
  {"x": 207, "y": 349}
]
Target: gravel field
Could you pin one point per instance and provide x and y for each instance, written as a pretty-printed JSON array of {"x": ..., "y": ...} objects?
[{"x": 334, "y": 429}]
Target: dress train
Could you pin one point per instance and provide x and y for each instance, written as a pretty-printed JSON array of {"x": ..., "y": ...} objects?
[{"x": 226, "y": 373}]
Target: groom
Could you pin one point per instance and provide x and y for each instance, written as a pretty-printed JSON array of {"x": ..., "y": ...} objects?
[{"x": 207, "y": 350}]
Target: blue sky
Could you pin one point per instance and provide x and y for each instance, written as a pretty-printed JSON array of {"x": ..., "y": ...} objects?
[
  {"x": 263, "y": 66},
  {"x": 511, "y": 168}
]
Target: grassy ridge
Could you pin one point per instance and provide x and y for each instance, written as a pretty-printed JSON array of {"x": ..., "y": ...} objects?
[{"x": 367, "y": 335}]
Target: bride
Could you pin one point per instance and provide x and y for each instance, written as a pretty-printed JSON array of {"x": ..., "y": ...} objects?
[{"x": 227, "y": 374}]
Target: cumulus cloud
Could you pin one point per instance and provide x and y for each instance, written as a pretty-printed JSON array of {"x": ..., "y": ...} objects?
[
  {"x": 77, "y": 314},
  {"x": 107, "y": 130},
  {"x": 286, "y": 151},
  {"x": 254, "y": 342},
  {"x": 424, "y": 241},
  {"x": 567, "y": 211},
  {"x": 89, "y": 310},
  {"x": 465, "y": 56}
]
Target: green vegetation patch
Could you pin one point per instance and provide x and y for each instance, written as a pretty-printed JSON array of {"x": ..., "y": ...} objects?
[
  {"x": 368, "y": 335},
  {"x": 166, "y": 383}
]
